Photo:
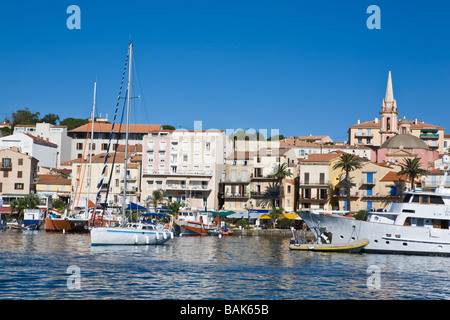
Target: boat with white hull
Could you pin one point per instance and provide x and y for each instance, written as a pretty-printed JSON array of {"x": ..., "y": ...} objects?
[
  {"x": 133, "y": 233},
  {"x": 417, "y": 225}
]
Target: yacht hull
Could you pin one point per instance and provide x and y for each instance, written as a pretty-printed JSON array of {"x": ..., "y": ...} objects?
[
  {"x": 383, "y": 238},
  {"x": 65, "y": 225},
  {"x": 128, "y": 236}
]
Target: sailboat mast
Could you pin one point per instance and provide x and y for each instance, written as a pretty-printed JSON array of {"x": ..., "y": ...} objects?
[
  {"x": 90, "y": 152},
  {"x": 127, "y": 131}
]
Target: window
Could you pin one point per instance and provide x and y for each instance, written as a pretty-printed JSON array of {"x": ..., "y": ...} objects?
[
  {"x": 288, "y": 189},
  {"x": 185, "y": 158},
  {"x": 19, "y": 174},
  {"x": 79, "y": 146},
  {"x": 18, "y": 186},
  {"x": 6, "y": 163},
  {"x": 5, "y": 174},
  {"x": 104, "y": 146},
  {"x": 208, "y": 146},
  {"x": 20, "y": 162}
]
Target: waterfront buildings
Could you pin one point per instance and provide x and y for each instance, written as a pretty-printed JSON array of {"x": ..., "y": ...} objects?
[
  {"x": 43, "y": 150},
  {"x": 18, "y": 172},
  {"x": 82, "y": 138},
  {"x": 86, "y": 183},
  {"x": 51, "y": 133},
  {"x": 186, "y": 165}
]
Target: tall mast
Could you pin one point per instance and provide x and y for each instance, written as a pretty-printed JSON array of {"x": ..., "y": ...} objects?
[
  {"x": 126, "y": 136},
  {"x": 90, "y": 152}
]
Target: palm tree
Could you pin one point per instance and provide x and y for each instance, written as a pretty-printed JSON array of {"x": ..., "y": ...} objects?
[
  {"x": 348, "y": 162},
  {"x": 281, "y": 172},
  {"x": 175, "y": 207},
  {"x": 276, "y": 214},
  {"x": 30, "y": 201},
  {"x": 157, "y": 198},
  {"x": 411, "y": 168}
]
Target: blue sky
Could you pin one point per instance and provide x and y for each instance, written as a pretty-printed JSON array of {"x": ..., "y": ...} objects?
[{"x": 303, "y": 67}]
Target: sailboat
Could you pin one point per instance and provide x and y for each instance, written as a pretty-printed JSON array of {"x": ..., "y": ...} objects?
[{"x": 138, "y": 233}]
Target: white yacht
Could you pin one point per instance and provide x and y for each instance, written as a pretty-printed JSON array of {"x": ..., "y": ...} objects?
[
  {"x": 139, "y": 233},
  {"x": 417, "y": 225}
]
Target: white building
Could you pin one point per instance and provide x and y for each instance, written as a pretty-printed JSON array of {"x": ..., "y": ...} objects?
[
  {"x": 43, "y": 150},
  {"x": 52, "y": 133},
  {"x": 185, "y": 164}
]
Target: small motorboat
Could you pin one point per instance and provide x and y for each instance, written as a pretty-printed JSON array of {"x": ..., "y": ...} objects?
[
  {"x": 224, "y": 231},
  {"x": 350, "y": 247}
]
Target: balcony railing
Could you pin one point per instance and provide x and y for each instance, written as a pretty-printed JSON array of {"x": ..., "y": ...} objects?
[
  {"x": 165, "y": 172},
  {"x": 429, "y": 135}
]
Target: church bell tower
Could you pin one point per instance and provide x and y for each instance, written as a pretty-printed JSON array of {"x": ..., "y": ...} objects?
[{"x": 389, "y": 122}]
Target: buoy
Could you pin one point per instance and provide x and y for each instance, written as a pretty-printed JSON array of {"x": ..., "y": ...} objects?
[
  {"x": 164, "y": 235},
  {"x": 157, "y": 235},
  {"x": 136, "y": 239},
  {"x": 147, "y": 239}
]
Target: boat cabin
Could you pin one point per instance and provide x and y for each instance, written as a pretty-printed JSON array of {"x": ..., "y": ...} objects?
[{"x": 418, "y": 209}]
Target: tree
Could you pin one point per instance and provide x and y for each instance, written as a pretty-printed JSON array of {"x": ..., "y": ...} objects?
[
  {"x": 30, "y": 201},
  {"x": 412, "y": 169},
  {"x": 175, "y": 207},
  {"x": 50, "y": 118},
  {"x": 347, "y": 162},
  {"x": 72, "y": 123},
  {"x": 24, "y": 116},
  {"x": 280, "y": 173},
  {"x": 276, "y": 214},
  {"x": 168, "y": 127},
  {"x": 157, "y": 198}
]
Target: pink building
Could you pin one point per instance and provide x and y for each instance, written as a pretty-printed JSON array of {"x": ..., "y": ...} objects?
[{"x": 402, "y": 146}]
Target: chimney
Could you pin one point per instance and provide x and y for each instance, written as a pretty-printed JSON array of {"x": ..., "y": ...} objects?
[
  {"x": 376, "y": 120},
  {"x": 359, "y": 121},
  {"x": 415, "y": 120}
]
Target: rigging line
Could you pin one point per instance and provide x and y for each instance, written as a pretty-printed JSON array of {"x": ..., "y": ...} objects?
[
  {"x": 81, "y": 168},
  {"x": 115, "y": 152},
  {"x": 110, "y": 136},
  {"x": 139, "y": 82}
]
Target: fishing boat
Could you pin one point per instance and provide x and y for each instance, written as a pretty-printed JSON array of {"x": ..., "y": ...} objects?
[
  {"x": 139, "y": 233},
  {"x": 417, "y": 225},
  {"x": 56, "y": 222},
  {"x": 193, "y": 222}
]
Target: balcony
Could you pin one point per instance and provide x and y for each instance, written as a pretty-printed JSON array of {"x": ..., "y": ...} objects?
[
  {"x": 194, "y": 187},
  {"x": 429, "y": 135},
  {"x": 129, "y": 178},
  {"x": 366, "y": 181},
  {"x": 264, "y": 195},
  {"x": 193, "y": 173},
  {"x": 6, "y": 164},
  {"x": 313, "y": 183},
  {"x": 236, "y": 196}
]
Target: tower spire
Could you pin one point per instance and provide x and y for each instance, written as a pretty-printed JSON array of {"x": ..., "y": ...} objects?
[{"x": 389, "y": 92}]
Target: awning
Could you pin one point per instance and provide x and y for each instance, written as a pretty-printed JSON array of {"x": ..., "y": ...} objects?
[
  {"x": 290, "y": 216},
  {"x": 154, "y": 214},
  {"x": 221, "y": 214},
  {"x": 244, "y": 215},
  {"x": 135, "y": 206}
]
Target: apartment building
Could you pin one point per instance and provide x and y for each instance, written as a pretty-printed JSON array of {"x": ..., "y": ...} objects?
[
  {"x": 316, "y": 181},
  {"x": 51, "y": 133},
  {"x": 81, "y": 137},
  {"x": 186, "y": 165},
  {"x": 234, "y": 188},
  {"x": 112, "y": 188},
  {"x": 54, "y": 185},
  {"x": 264, "y": 188},
  {"x": 18, "y": 172},
  {"x": 375, "y": 185}
]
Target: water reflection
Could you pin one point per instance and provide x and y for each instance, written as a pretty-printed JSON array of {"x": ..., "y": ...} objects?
[{"x": 34, "y": 266}]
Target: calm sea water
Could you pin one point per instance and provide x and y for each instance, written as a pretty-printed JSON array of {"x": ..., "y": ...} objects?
[{"x": 36, "y": 265}]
